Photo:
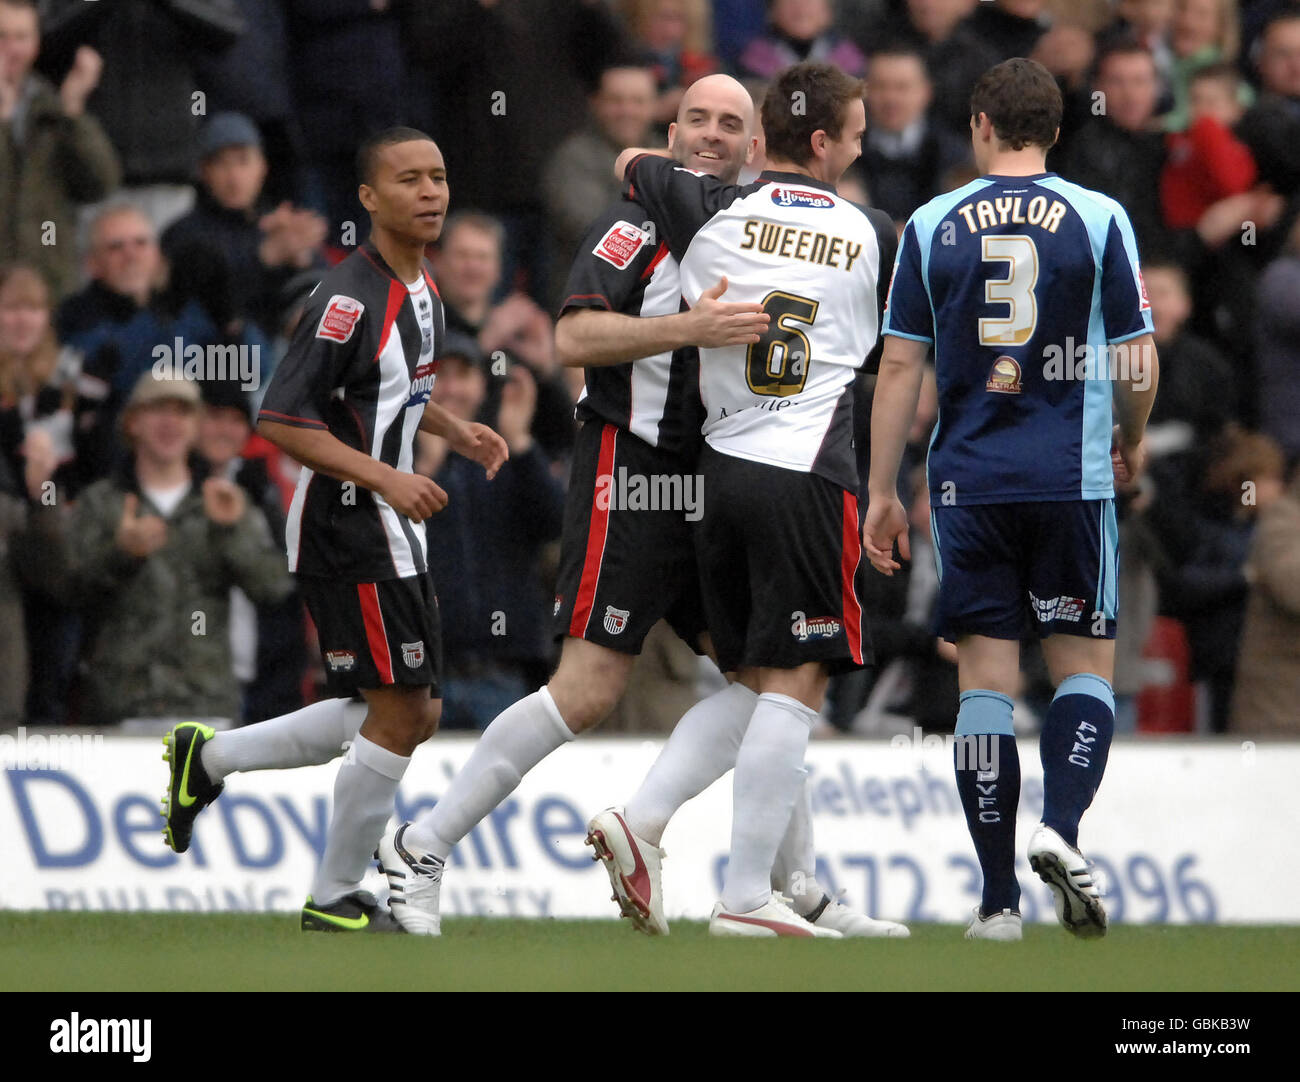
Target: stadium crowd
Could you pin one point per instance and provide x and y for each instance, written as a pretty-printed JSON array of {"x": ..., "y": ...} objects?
[{"x": 175, "y": 176}]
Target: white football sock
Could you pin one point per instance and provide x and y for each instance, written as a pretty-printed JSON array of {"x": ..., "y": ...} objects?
[
  {"x": 701, "y": 749},
  {"x": 793, "y": 871},
  {"x": 519, "y": 738},
  {"x": 364, "y": 792},
  {"x": 314, "y": 734},
  {"x": 769, "y": 771}
]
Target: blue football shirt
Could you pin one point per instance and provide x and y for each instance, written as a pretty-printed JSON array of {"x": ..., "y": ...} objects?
[{"x": 1022, "y": 284}]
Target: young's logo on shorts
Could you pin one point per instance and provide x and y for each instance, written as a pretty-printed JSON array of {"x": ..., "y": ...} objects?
[
  {"x": 1004, "y": 376},
  {"x": 559, "y": 604},
  {"x": 413, "y": 654},
  {"x": 798, "y": 197},
  {"x": 340, "y": 318},
  {"x": 804, "y": 627},
  {"x": 340, "y": 660},
  {"x": 615, "y": 619},
  {"x": 1070, "y": 609}
]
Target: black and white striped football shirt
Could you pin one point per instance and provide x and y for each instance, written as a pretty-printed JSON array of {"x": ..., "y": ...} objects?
[{"x": 361, "y": 366}]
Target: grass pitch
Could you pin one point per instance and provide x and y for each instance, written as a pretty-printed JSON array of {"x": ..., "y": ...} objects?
[{"x": 255, "y": 952}]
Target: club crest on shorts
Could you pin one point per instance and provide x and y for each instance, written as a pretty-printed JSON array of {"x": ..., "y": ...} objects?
[
  {"x": 413, "y": 654},
  {"x": 615, "y": 619},
  {"x": 340, "y": 318},
  {"x": 340, "y": 660}
]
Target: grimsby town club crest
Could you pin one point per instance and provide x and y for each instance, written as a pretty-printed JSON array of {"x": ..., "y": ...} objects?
[
  {"x": 413, "y": 654},
  {"x": 615, "y": 620}
]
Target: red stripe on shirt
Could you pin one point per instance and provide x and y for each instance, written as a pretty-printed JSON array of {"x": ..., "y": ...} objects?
[
  {"x": 289, "y": 418},
  {"x": 397, "y": 294},
  {"x": 376, "y": 636},
  {"x": 659, "y": 255},
  {"x": 852, "y": 555},
  {"x": 596, "y": 533}
]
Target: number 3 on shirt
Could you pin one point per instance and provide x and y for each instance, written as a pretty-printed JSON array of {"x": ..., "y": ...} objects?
[
  {"x": 777, "y": 364},
  {"x": 1016, "y": 290}
]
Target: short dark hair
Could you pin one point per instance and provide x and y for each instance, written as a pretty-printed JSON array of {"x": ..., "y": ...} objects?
[
  {"x": 826, "y": 93},
  {"x": 1222, "y": 72},
  {"x": 1022, "y": 100},
  {"x": 368, "y": 152},
  {"x": 1123, "y": 45}
]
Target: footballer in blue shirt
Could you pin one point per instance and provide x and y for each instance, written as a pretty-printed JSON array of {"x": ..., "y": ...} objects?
[{"x": 1029, "y": 291}]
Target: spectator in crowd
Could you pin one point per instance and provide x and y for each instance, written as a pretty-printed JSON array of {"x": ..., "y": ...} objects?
[
  {"x": 1203, "y": 32},
  {"x": 1268, "y": 668},
  {"x": 1271, "y": 128},
  {"x": 735, "y": 24},
  {"x": 13, "y": 640},
  {"x": 1147, "y": 22},
  {"x": 148, "y": 98},
  {"x": 955, "y": 56},
  {"x": 38, "y": 380},
  {"x": 904, "y": 154},
  {"x": 468, "y": 270},
  {"x": 1120, "y": 152},
  {"x": 1198, "y": 391},
  {"x": 118, "y": 323},
  {"x": 1010, "y": 27},
  {"x": 1207, "y": 162},
  {"x": 1277, "y": 347},
  {"x": 348, "y": 73},
  {"x": 511, "y": 81},
  {"x": 252, "y": 77},
  {"x": 38, "y": 377},
  {"x": 53, "y": 155},
  {"x": 152, "y": 553},
  {"x": 798, "y": 30},
  {"x": 233, "y": 254},
  {"x": 675, "y": 34},
  {"x": 267, "y": 642},
  {"x": 580, "y": 174},
  {"x": 495, "y": 610},
  {"x": 1207, "y": 588}
]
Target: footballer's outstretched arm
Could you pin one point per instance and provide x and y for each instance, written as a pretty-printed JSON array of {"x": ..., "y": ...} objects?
[
  {"x": 893, "y": 408},
  {"x": 625, "y": 157},
  {"x": 589, "y": 338},
  {"x": 409, "y": 494}
]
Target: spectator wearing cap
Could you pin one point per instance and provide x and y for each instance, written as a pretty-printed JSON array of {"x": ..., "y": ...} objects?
[
  {"x": 231, "y": 253},
  {"x": 152, "y": 553},
  {"x": 117, "y": 323},
  {"x": 53, "y": 154},
  {"x": 798, "y": 30},
  {"x": 147, "y": 94},
  {"x": 267, "y": 642},
  {"x": 496, "y": 609}
]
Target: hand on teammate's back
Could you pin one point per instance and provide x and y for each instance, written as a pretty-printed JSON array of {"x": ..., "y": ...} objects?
[
  {"x": 718, "y": 323},
  {"x": 137, "y": 534},
  {"x": 413, "y": 495},
  {"x": 886, "y": 522}
]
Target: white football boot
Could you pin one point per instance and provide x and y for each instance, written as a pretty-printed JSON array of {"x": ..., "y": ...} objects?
[
  {"x": 1005, "y": 927},
  {"x": 1062, "y": 867},
  {"x": 773, "y": 918},
  {"x": 414, "y": 882},
  {"x": 834, "y": 914},
  {"x": 633, "y": 865}
]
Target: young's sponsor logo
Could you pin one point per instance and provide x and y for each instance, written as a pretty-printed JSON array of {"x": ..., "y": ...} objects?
[
  {"x": 804, "y": 627},
  {"x": 799, "y": 197},
  {"x": 340, "y": 318}
]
